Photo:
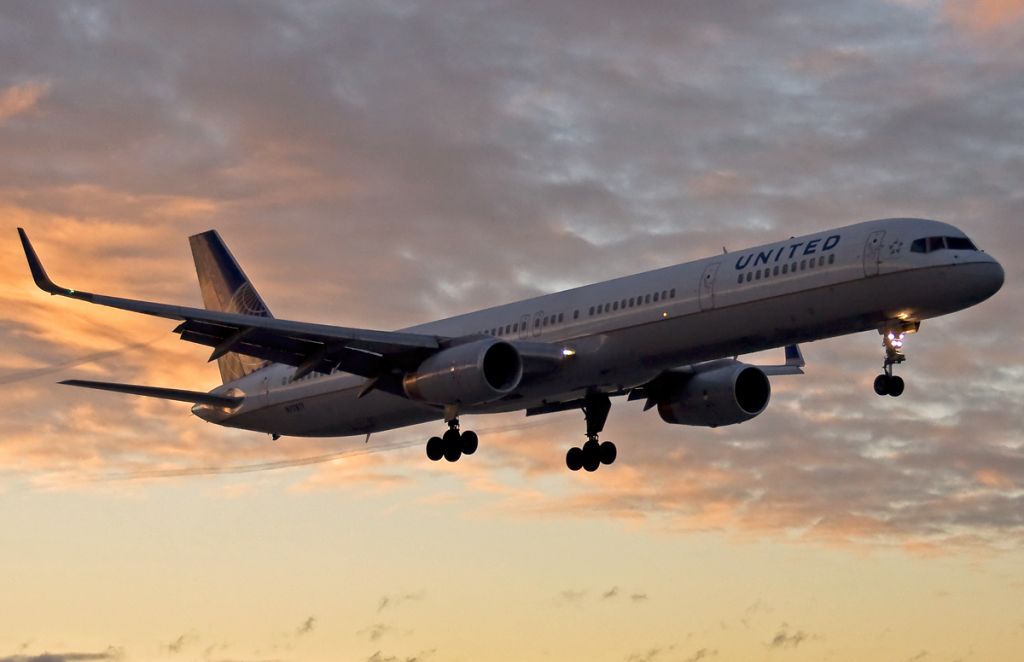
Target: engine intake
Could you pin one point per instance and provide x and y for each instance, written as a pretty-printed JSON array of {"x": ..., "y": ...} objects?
[
  {"x": 474, "y": 373},
  {"x": 722, "y": 395}
]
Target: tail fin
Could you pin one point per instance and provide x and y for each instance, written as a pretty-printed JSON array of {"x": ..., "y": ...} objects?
[{"x": 226, "y": 288}]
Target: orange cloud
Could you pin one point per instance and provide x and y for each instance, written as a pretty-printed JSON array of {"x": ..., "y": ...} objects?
[
  {"x": 982, "y": 16},
  {"x": 19, "y": 99}
]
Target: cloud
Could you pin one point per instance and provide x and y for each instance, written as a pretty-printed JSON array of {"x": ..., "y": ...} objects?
[
  {"x": 702, "y": 654},
  {"x": 784, "y": 639},
  {"x": 109, "y": 654},
  {"x": 376, "y": 631},
  {"x": 21, "y": 98},
  {"x": 306, "y": 627},
  {"x": 649, "y": 655},
  {"x": 610, "y": 593},
  {"x": 378, "y": 656},
  {"x": 392, "y": 601},
  {"x": 179, "y": 644},
  {"x": 984, "y": 16},
  {"x": 536, "y": 147}
]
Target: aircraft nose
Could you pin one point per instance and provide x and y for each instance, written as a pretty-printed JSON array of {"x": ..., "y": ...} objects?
[
  {"x": 998, "y": 277},
  {"x": 991, "y": 277}
]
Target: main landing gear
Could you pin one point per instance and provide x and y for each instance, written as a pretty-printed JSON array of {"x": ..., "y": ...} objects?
[
  {"x": 887, "y": 383},
  {"x": 593, "y": 453},
  {"x": 453, "y": 444}
]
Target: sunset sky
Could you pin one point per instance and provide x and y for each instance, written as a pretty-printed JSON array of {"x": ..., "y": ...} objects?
[{"x": 380, "y": 164}]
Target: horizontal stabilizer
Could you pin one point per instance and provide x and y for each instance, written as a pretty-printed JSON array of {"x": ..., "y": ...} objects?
[{"x": 196, "y": 397}]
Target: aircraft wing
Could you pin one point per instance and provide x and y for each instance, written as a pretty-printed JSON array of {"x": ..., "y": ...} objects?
[{"x": 309, "y": 347}]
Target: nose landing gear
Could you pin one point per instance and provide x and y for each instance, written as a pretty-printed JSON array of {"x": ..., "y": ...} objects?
[{"x": 892, "y": 340}]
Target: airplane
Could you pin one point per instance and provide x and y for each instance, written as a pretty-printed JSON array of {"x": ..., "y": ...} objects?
[{"x": 671, "y": 337}]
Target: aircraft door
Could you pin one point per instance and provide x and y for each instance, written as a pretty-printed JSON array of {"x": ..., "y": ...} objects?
[
  {"x": 873, "y": 252},
  {"x": 524, "y": 327},
  {"x": 706, "y": 287},
  {"x": 265, "y": 392}
]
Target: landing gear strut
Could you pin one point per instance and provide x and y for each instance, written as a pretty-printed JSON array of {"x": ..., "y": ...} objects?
[
  {"x": 887, "y": 383},
  {"x": 593, "y": 453},
  {"x": 453, "y": 444}
]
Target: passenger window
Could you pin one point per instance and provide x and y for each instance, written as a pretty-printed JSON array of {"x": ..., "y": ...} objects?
[
  {"x": 623, "y": 304},
  {"x": 515, "y": 328},
  {"x": 655, "y": 297},
  {"x": 935, "y": 244},
  {"x": 757, "y": 275},
  {"x": 561, "y": 316},
  {"x": 821, "y": 261},
  {"x": 832, "y": 258},
  {"x": 508, "y": 328},
  {"x": 647, "y": 299},
  {"x": 775, "y": 271},
  {"x": 575, "y": 314},
  {"x": 803, "y": 264},
  {"x": 785, "y": 268},
  {"x": 672, "y": 293},
  {"x": 536, "y": 323},
  {"x": 739, "y": 279},
  {"x": 615, "y": 306},
  {"x": 750, "y": 276},
  {"x": 631, "y": 301},
  {"x": 664, "y": 294},
  {"x": 591, "y": 311}
]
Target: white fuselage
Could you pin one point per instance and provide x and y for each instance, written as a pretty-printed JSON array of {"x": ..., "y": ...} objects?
[{"x": 624, "y": 332}]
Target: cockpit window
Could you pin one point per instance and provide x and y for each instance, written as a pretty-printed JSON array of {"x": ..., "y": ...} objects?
[
  {"x": 960, "y": 244},
  {"x": 929, "y": 244}
]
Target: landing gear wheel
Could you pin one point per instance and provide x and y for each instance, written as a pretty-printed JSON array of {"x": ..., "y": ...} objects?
[
  {"x": 469, "y": 442},
  {"x": 591, "y": 455},
  {"x": 574, "y": 458},
  {"x": 607, "y": 452},
  {"x": 896, "y": 386},
  {"x": 882, "y": 384},
  {"x": 435, "y": 449},
  {"x": 452, "y": 445}
]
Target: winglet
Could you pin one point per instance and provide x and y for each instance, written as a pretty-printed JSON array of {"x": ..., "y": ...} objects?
[{"x": 38, "y": 272}]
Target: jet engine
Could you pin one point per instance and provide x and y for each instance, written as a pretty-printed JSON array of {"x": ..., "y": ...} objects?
[
  {"x": 473, "y": 373},
  {"x": 725, "y": 393}
]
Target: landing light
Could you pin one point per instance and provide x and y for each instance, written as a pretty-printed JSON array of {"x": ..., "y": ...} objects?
[{"x": 568, "y": 351}]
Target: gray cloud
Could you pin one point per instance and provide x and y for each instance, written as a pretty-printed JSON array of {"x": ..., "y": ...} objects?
[
  {"x": 784, "y": 639},
  {"x": 702, "y": 654},
  {"x": 376, "y": 631},
  {"x": 109, "y": 654},
  {"x": 397, "y": 599},
  {"x": 432, "y": 161},
  {"x": 378, "y": 656},
  {"x": 306, "y": 627}
]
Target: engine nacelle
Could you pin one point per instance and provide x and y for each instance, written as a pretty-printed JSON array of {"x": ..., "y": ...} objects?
[
  {"x": 723, "y": 395},
  {"x": 474, "y": 373}
]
